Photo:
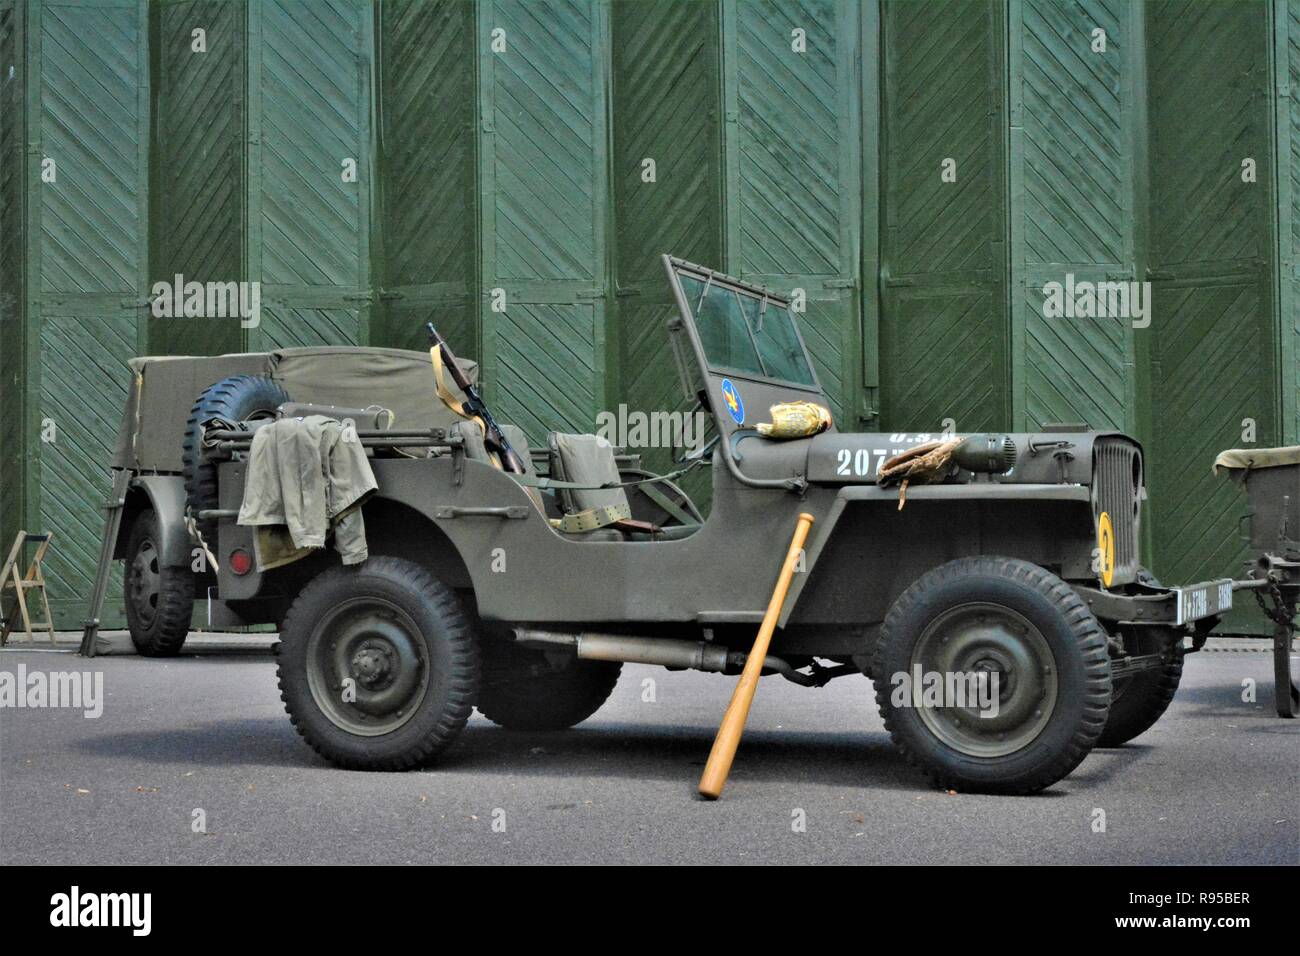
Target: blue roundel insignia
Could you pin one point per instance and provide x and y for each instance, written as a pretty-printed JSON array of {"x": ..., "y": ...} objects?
[{"x": 731, "y": 395}]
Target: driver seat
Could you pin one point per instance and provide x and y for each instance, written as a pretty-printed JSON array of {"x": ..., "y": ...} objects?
[{"x": 595, "y": 512}]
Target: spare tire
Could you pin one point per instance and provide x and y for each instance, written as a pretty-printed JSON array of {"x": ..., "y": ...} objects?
[{"x": 237, "y": 398}]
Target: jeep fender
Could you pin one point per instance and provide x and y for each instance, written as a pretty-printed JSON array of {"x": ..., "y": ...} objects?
[
  {"x": 165, "y": 494},
  {"x": 959, "y": 497}
]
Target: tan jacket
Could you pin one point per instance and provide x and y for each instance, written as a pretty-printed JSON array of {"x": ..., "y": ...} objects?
[{"x": 306, "y": 477}]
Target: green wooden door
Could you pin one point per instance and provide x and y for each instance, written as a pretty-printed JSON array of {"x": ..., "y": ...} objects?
[
  {"x": 198, "y": 174},
  {"x": 87, "y": 268},
  {"x": 793, "y": 173},
  {"x": 428, "y": 234},
  {"x": 943, "y": 328},
  {"x": 667, "y": 187},
  {"x": 310, "y": 170},
  {"x": 543, "y": 183},
  {"x": 1214, "y": 337},
  {"x": 1074, "y": 99}
]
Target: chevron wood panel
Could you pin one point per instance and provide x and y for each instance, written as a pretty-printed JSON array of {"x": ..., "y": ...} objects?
[
  {"x": 544, "y": 362},
  {"x": 90, "y": 125},
  {"x": 1076, "y": 369},
  {"x": 427, "y": 102},
  {"x": 943, "y": 324},
  {"x": 198, "y": 150},
  {"x": 83, "y": 391},
  {"x": 1076, "y": 174},
  {"x": 791, "y": 185},
  {"x": 311, "y": 100},
  {"x": 1213, "y": 319},
  {"x": 664, "y": 85},
  {"x": 546, "y": 129}
]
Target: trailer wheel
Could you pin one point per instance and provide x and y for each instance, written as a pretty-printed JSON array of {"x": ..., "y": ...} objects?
[
  {"x": 235, "y": 399},
  {"x": 522, "y": 691},
  {"x": 159, "y": 599},
  {"x": 1027, "y": 633},
  {"x": 377, "y": 666},
  {"x": 1140, "y": 700}
]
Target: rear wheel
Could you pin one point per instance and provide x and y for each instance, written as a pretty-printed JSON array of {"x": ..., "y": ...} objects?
[
  {"x": 523, "y": 691},
  {"x": 377, "y": 665},
  {"x": 159, "y": 599},
  {"x": 992, "y": 675}
]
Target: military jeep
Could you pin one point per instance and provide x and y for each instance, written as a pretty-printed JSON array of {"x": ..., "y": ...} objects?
[{"x": 1013, "y": 573}]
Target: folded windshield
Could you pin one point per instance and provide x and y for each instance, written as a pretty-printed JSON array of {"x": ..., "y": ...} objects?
[{"x": 746, "y": 333}]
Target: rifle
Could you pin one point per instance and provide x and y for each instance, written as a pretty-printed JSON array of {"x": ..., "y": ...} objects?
[{"x": 473, "y": 406}]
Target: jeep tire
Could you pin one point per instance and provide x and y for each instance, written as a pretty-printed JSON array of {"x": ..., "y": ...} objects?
[
  {"x": 235, "y": 399},
  {"x": 523, "y": 691},
  {"x": 1141, "y": 699},
  {"x": 377, "y": 666},
  {"x": 1000, "y": 616},
  {"x": 159, "y": 599}
]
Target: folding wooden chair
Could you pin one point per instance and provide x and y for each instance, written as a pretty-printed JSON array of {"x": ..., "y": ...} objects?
[{"x": 33, "y": 580}]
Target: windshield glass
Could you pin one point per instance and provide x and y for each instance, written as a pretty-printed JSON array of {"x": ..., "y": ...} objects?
[{"x": 743, "y": 333}]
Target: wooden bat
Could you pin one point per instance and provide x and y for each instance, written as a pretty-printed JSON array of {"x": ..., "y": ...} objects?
[{"x": 723, "y": 753}]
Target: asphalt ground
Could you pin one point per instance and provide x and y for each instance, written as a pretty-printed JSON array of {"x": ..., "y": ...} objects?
[{"x": 203, "y": 738}]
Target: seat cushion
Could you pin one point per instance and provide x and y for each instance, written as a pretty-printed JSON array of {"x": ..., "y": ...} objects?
[{"x": 586, "y": 460}]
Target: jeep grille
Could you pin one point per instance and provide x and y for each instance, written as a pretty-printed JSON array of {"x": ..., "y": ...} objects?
[{"x": 1117, "y": 490}]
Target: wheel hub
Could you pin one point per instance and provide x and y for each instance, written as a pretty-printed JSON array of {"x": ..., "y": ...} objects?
[
  {"x": 372, "y": 664},
  {"x": 144, "y": 582},
  {"x": 976, "y": 648},
  {"x": 367, "y": 667}
]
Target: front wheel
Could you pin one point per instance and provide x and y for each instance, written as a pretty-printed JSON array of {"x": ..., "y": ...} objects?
[
  {"x": 378, "y": 668},
  {"x": 992, "y": 676}
]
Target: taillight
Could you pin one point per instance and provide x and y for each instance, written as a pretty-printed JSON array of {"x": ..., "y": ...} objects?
[{"x": 240, "y": 561}]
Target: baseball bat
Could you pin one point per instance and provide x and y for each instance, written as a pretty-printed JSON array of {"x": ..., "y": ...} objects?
[{"x": 723, "y": 753}]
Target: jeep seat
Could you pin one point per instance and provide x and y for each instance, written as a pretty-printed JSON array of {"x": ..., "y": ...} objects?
[
  {"x": 476, "y": 448},
  {"x": 589, "y": 460}
]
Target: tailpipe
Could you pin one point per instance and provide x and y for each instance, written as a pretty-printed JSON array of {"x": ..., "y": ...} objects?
[{"x": 660, "y": 651}]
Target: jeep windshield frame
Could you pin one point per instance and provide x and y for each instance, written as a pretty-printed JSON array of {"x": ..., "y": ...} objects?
[{"x": 749, "y": 331}]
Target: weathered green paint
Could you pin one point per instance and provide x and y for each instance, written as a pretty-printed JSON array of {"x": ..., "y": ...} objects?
[
  {"x": 427, "y": 237},
  {"x": 1287, "y": 69},
  {"x": 13, "y": 160},
  {"x": 792, "y": 190},
  {"x": 85, "y": 248},
  {"x": 944, "y": 324},
  {"x": 309, "y": 68},
  {"x": 1215, "y": 336},
  {"x": 665, "y": 87},
  {"x": 1073, "y": 206},
  {"x": 543, "y": 187},
  {"x": 198, "y": 173}
]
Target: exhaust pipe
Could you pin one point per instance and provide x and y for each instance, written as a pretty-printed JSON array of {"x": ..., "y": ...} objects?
[{"x": 660, "y": 651}]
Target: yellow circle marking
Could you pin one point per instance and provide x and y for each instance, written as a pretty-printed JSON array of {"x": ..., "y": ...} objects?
[{"x": 1106, "y": 548}]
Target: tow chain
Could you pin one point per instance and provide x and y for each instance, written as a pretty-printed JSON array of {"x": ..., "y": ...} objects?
[{"x": 1281, "y": 612}]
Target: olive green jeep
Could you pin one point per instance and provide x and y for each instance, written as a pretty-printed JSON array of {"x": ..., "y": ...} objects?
[{"x": 997, "y": 603}]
